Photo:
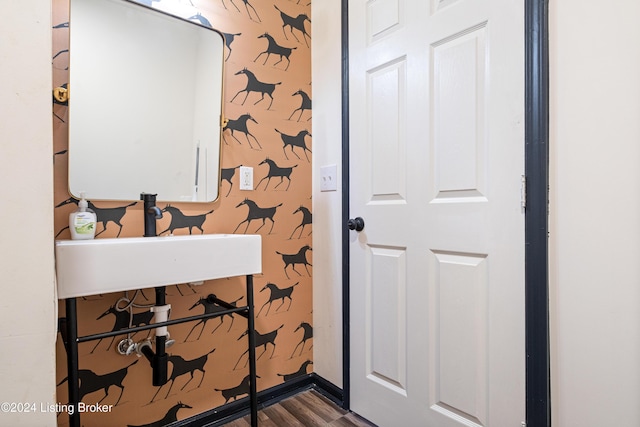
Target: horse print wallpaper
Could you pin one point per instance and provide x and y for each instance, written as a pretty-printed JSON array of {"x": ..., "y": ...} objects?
[{"x": 267, "y": 101}]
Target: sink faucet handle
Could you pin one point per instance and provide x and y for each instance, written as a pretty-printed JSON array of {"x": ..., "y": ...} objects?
[{"x": 154, "y": 210}]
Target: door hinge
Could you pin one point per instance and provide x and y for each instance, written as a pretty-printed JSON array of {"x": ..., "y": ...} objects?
[
  {"x": 523, "y": 424},
  {"x": 523, "y": 192}
]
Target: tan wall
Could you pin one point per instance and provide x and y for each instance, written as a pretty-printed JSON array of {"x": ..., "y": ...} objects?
[
  {"x": 327, "y": 206},
  {"x": 595, "y": 213},
  {"x": 221, "y": 371},
  {"x": 27, "y": 307}
]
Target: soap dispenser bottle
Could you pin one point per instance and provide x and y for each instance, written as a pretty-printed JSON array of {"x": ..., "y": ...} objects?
[{"x": 82, "y": 222}]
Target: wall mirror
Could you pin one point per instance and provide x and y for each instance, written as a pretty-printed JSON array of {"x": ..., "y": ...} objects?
[{"x": 145, "y": 103}]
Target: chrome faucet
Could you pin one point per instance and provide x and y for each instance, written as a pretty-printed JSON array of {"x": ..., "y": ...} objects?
[{"x": 151, "y": 214}]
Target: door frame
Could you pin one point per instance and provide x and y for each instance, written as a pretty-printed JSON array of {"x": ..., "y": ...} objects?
[{"x": 538, "y": 403}]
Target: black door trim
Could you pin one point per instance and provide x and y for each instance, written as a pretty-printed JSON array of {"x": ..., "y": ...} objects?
[
  {"x": 346, "y": 335},
  {"x": 538, "y": 404},
  {"x": 536, "y": 218}
]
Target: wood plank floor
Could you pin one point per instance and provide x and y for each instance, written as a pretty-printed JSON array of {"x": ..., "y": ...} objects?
[{"x": 306, "y": 409}]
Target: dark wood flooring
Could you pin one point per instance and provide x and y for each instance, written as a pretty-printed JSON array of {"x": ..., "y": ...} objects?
[{"x": 306, "y": 409}]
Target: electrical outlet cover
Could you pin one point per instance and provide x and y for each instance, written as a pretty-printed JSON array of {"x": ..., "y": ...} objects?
[{"x": 246, "y": 178}]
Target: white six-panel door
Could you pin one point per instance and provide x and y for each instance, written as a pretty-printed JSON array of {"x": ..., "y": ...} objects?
[{"x": 437, "y": 154}]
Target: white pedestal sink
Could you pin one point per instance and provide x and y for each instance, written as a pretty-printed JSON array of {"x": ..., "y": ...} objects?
[{"x": 91, "y": 267}]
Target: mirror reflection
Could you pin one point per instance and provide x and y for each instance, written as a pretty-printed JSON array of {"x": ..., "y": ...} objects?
[{"x": 145, "y": 103}]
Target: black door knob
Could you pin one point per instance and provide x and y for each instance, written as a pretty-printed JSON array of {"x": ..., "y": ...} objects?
[{"x": 356, "y": 224}]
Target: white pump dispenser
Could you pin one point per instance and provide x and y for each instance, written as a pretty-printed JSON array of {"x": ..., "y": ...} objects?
[{"x": 82, "y": 222}]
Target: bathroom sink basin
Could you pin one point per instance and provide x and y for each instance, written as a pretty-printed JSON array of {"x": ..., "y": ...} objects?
[{"x": 91, "y": 267}]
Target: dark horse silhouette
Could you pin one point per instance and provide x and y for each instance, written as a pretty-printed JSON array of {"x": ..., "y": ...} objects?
[
  {"x": 199, "y": 19},
  {"x": 180, "y": 220},
  {"x": 228, "y": 39},
  {"x": 210, "y": 307},
  {"x": 308, "y": 334},
  {"x": 294, "y": 22},
  {"x": 90, "y": 382},
  {"x": 299, "y": 373},
  {"x": 277, "y": 294},
  {"x": 247, "y": 5},
  {"x": 276, "y": 171},
  {"x": 235, "y": 392},
  {"x": 181, "y": 367},
  {"x": 298, "y": 258},
  {"x": 307, "y": 219},
  {"x": 240, "y": 125},
  {"x": 295, "y": 141},
  {"x": 103, "y": 215},
  {"x": 170, "y": 417},
  {"x": 254, "y": 85},
  {"x": 276, "y": 49},
  {"x": 256, "y": 212},
  {"x": 226, "y": 174},
  {"x": 261, "y": 340},
  {"x": 304, "y": 105}
]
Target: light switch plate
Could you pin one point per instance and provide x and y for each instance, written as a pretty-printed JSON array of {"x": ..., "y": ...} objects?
[{"x": 329, "y": 178}]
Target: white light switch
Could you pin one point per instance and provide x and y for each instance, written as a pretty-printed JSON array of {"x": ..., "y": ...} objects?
[
  {"x": 246, "y": 178},
  {"x": 329, "y": 178}
]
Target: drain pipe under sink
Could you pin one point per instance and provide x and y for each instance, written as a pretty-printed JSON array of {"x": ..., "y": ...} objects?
[{"x": 159, "y": 359}]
